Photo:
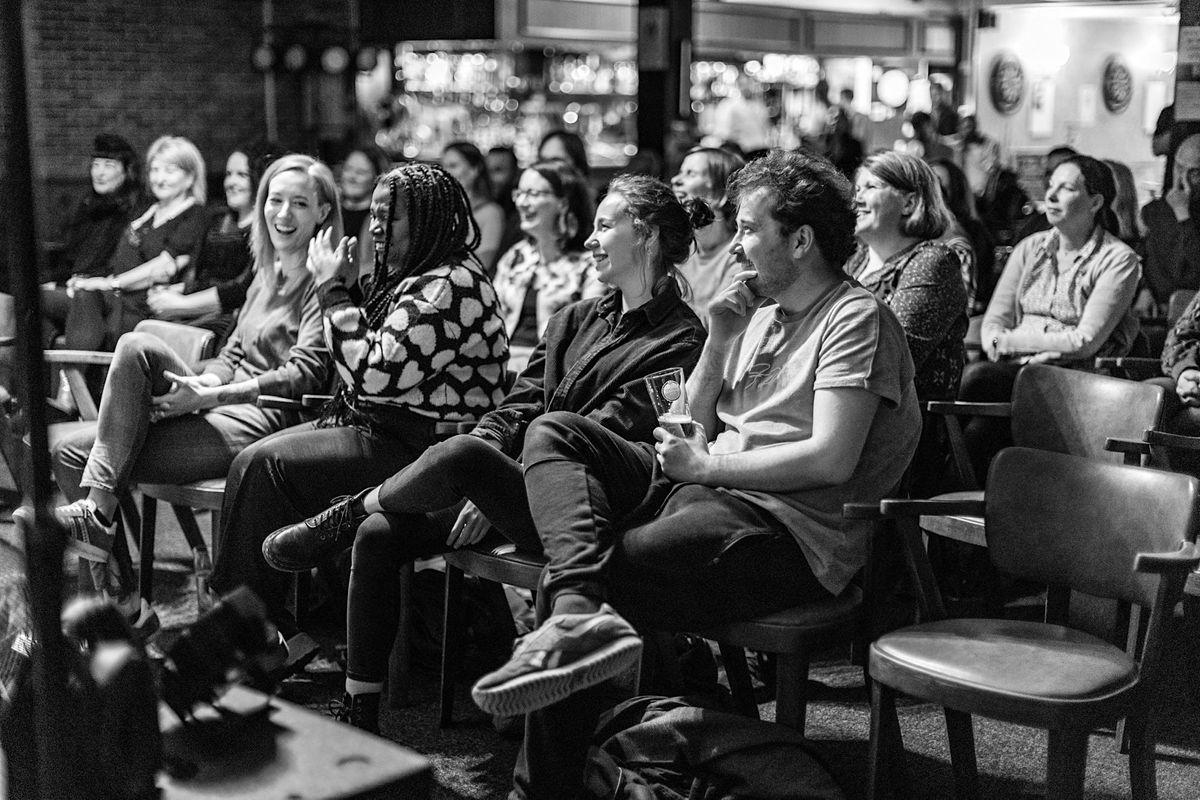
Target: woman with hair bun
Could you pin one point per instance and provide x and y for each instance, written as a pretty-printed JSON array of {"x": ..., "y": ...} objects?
[{"x": 591, "y": 361}]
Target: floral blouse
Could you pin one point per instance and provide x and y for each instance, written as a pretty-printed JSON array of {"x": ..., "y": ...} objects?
[
  {"x": 923, "y": 286},
  {"x": 568, "y": 278}
]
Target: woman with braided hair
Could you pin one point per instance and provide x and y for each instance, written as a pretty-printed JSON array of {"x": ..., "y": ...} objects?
[
  {"x": 426, "y": 343},
  {"x": 591, "y": 361}
]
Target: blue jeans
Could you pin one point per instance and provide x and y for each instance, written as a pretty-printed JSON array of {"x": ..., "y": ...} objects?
[
  {"x": 294, "y": 474},
  {"x": 669, "y": 557},
  {"x": 123, "y": 447}
]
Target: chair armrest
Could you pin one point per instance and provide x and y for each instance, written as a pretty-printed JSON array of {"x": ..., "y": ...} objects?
[
  {"x": 1128, "y": 362},
  {"x": 862, "y": 511},
  {"x": 277, "y": 402},
  {"x": 934, "y": 508},
  {"x": 960, "y": 408},
  {"x": 83, "y": 358},
  {"x": 1136, "y": 447},
  {"x": 7, "y": 341},
  {"x": 314, "y": 401},
  {"x": 444, "y": 429},
  {"x": 1174, "y": 440},
  {"x": 1183, "y": 560}
]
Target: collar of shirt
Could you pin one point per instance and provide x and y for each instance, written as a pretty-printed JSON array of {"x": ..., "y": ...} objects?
[{"x": 656, "y": 308}]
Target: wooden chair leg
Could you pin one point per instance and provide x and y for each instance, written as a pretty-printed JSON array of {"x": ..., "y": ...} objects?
[
  {"x": 189, "y": 526},
  {"x": 1142, "y": 781},
  {"x": 1066, "y": 762},
  {"x": 400, "y": 663},
  {"x": 216, "y": 532},
  {"x": 453, "y": 622},
  {"x": 791, "y": 690},
  {"x": 885, "y": 749},
  {"x": 146, "y": 549},
  {"x": 962, "y": 754},
  {"x": 738, "y": 674}
]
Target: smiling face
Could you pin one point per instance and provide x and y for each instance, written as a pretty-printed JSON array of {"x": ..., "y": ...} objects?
[
  {"x": 357, "y": 178},
  {"x": 692, "y": 180},
  {"x": 401, "y": 240},
  {"x": 538, "y": 207},
  {"x": 879, "y": 205},
  {"x": 618, "y": 250},
  {"x": 168, "y": 180},
  {"x": 1067, "y": 199},
  {"x": 761, "y": 245},
  {"x": 108, "y": 175},
  {"x": 292, "y": 211},
  {"x": 238, "y": 194}
]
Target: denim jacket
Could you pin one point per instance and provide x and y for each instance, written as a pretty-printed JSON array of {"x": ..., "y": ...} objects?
[{"x": 592, "y": 359}]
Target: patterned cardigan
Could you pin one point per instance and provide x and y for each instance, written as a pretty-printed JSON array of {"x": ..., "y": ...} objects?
[
  {"x": 568, "y": 278},
  {"x": 440, "y": 351},
  {"x": 923, "y": 286}
]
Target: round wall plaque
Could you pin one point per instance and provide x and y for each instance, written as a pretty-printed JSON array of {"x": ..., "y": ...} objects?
[
  {"x": 1006, "y": 83},
  {"x": 1117, "y": 86}
]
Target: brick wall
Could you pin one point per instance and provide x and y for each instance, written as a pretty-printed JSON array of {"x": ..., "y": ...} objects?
[{"x": 143, "y": 68}]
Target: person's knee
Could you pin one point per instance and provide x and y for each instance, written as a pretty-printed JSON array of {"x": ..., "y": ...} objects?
[
  {"x": 135, "y": 349},
  {"x": 458, "y": 453},
  {"x": 550, "y": 436}
]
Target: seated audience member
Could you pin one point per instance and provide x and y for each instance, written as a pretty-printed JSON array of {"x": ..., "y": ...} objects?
[
  {"x": 216, "y": 280},
  {"x": 709, "y": 268},
  {"x": 426, "y": 343},
  {"x": 591, "y": 362},
  {"x": 550, "y": 267},
  {"x": 565, "y": 146},
  {"x": 1181, "y": 365},
  {"x": 1124, "y": 205},
  {"x": 1171, "y": 247},
  {"x": 901, "y": 216},
  {"x": 1037, "y": 221},
  {"x": 967, "y": 236},
  {"x": 468, "y": 166},
  {"x": 925, "y": 142},
  {"x": 93, "y": 227},
  {"x": 357, "y": 176},
  {"x": 837, "y": 142},
  {"x": 162, "y": 423},
  {"x": 1065, "y": 293},
  {"x": 809, "y": 404}
]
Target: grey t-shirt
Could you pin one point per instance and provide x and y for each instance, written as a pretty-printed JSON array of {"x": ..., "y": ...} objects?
[{"x": 848, "y": 340}]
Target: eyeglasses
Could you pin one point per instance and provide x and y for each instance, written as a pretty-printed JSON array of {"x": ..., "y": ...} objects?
[{"x": 531, "y": 194}]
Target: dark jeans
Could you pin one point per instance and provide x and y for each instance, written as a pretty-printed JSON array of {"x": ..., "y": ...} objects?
[
  {"x": 422, "y": 501},
  {"x": 987, "y": 382},
  {"x": 294, "y": 474},
  {"x": 667, "y": 557}
]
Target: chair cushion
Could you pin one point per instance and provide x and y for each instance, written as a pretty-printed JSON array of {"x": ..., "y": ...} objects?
[
  {"x": 1027, "y": 660},
  {"x": 961, "y": 527},
  {"x": 788, "y": 630},
  {"x": 207, "y": 494}
]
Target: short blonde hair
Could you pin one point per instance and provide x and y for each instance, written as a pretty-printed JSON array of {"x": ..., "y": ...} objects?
[
  {"x": 185, "y": 155},
  {"x": 906, "y": 173}
]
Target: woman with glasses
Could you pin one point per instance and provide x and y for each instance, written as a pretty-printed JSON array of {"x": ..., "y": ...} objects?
[{"x": 549, "y": 268}]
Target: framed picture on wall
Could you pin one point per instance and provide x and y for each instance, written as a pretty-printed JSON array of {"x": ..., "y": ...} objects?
[{"x": 1041, "y": 108}]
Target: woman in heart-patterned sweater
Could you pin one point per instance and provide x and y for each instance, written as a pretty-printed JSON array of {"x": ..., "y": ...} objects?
[{"x": 424, "y": 342}]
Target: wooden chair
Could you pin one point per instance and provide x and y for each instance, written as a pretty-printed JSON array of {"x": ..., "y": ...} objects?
[
  {"x": 1055, "y": 409},
  {"x": 1103, "y": 529},
  {"x": 1140, "y": 367}
]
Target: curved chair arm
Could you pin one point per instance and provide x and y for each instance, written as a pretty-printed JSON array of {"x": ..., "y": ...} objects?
[
  {"x": 1134, "y": 450},
  {"x": 896, "y": 509},
  {"x": 1181, "y": 561},
  {"x": 1173, "y": 440},
  {"x": 277, "y": 402},
  {"x": 965, "y": 409},
  {"x": 81, "y": 358}
]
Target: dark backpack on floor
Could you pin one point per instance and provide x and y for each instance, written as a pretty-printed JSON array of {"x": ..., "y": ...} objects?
[{"x": 660, "y": 748}]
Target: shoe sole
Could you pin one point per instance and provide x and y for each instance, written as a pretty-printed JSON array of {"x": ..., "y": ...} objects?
[{"x": 526, "y": 693}]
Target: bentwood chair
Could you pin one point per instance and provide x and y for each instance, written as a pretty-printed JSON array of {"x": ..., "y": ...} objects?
[{"x": 1071, "y": 523}]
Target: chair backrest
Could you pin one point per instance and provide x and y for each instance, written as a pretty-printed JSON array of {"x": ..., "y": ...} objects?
[
  {"x": 1071, "y": 411},
  {"x": 1063, "y": 520},
  {"x": 190, "y": 343}
]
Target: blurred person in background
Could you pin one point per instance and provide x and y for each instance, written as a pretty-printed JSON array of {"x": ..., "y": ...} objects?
[
  {"x": 967, "y": 236},
  {"x": 468, "y": 166},
  {"x": 357, "y": 175},
  {"x": 504, "y": 170},
  {"x": 550, "y": 267},
  {"x": 1171, "y": 246},
  {"x": 977, "y": 154},
  {"x": 704, "y": 173},
  {"x": 568, "y": 147}
]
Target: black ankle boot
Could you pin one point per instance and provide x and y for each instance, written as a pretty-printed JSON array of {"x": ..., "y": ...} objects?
[{"x": 359, "y": 710}]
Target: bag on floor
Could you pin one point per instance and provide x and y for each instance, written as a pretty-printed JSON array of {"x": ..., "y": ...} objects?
[{"x": 660, "y": 748}]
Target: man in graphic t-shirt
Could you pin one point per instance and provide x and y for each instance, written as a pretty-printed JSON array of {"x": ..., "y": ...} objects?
[{"x": 801, "y": 405}]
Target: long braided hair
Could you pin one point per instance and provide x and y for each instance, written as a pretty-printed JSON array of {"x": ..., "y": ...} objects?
[{"x": 440, "y": 225}]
